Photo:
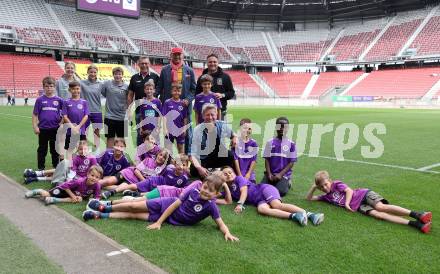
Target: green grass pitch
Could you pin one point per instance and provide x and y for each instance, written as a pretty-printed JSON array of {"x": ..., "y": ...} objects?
[{"x": 345, "y": 242}]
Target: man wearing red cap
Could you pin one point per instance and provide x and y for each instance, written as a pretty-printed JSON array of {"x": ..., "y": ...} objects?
[{"x": 178, "y": 72}]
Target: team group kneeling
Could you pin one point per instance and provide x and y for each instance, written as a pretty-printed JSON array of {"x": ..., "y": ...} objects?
[{"x": 187, "y": 187}]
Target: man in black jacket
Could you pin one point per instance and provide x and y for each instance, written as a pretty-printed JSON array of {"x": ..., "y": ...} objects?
[{"x": 222, "y": 84}]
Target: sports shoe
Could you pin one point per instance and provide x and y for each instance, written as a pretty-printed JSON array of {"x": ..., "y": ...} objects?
[
  {"x": 49, "y": 200},
  {"x": 426, "y": 228},
  {"x": 29, "y": 194},
  {"x": 128, "y": 198},
  {"x": 425, "y": 217},
  {"x": 29, "y": 180},
  {"x": 94, "y": 205},
  {"x": 107, "y": 194},
  {"x": 316, "y": 218},
  {"x": 29, "y": 173},
  {"x": 130, "y": 193},
  {"x": 90, "y": 214},
  {"x": 300, "y": 217}
]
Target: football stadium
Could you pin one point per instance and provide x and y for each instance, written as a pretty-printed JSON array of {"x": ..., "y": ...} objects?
[{"x": 219, "y": 136}]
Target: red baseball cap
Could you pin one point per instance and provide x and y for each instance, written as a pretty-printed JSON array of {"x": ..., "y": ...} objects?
[{"x": 176, "y": 50}]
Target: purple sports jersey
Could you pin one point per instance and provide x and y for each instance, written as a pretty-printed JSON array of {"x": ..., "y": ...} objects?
[
  {"x": 202, "y": 99},
  {"x": 110, "y": 164},
  {"x": 172, "y": 191},
  {"x": 48, "y": 110},
  {"x": 168, "y": 177},
  {"x": 257, "y": 194},
  {"x": 175, "y": 113},
  {"x": 142, "y": 152},
  {"x": 280, "y": 153},
  {"x": 245, "y": 154},
  {"x": 79, "y": 187},
  {"x": 192, "y": 210},
  {"x": 76, "y": 109},
  {"x": 150, "y": 113},
  {"x": 337, "y": 195},
  {"x": 147, "y": 167},
  {"x": 172, "y": 179},
  {"x": 81, "y": 164}
]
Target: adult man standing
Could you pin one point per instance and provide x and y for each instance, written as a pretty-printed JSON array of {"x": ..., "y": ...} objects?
[
  {"x": 136, "y": 88},
  {"x": 221, "y": 85},
  {"x": 178, "y": 72}
]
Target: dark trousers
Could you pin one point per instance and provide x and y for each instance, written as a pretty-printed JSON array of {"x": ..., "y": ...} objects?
[
  {"x": 47, "y": 136},
  {"x": 282, "y": 185},
  {"x": 214, "y": 162},
  {"x": 139, "y": 140}
]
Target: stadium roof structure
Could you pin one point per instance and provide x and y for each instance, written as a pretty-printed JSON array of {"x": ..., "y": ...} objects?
[{"x": 283, "y": 10}]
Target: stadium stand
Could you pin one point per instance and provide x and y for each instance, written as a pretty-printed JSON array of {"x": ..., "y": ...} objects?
[
  {"x": 33, "y": 67},
  {"x": 330, "y": 80},
  {"x": 355, "y": 40},
  {"x": 396, "y": 35},
  {"x": 399, "y": 83},
  {"x": 244, "y": 85},
  {"x": 287, "y": 84},
  {"x": 253, "y": 44},
  {"x": 303, "y": 46},
  {"x": 427, "y": 41}
]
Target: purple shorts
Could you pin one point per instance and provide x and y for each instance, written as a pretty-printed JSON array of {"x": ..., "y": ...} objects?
[
  {"x": 179, "y": 139},
  {"x": 268, "y": 193},
  {"x": 157, "y": 206},
  {"x": 95, "y": 119}
]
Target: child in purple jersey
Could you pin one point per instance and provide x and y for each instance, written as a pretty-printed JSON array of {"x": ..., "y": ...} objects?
[
  {"x": 148, "y": 149},
  {"x": 113, "y": 160},
  {"x": 73, "y": 191},
  {"x": 46, "y": 119},
  {"x": 77, "y": 168},
  {"x": 175, "y": 114},
  {"x": 280, "y": 155},
  {"x": 173, "y": 175},
  {"x": 135, "y": 174},
  {"x": 367, "y": 202},
  {"x": 267, "y": 200},
  {"x": 150, "y": 109},
  {"x": 165, "y": 191},
  {"x": 206, "y": 97},
  {"x": 191, "y": 207},
  {"x": 75, "y": 115},
  {"x": 246, "y": 151}
]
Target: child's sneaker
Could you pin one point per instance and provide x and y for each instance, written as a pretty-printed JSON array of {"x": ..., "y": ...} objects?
[
  {"x": 94, "y": 205},
  {"x": 107, "y": 194},
  {"x": 29, "y": 180},
  {"x": 29, "y": 173},
  {"x": 426, "y": 228},
  {"x": 49, "y": 200},
  {"x": 90, "y": 214},
  {"x": 316, "y": 218},
  {"x": 29, "y": 194},
  {"x": 130, "y": 193},
  {"x": 300, "y": 217},
  {"x": 128, "y": 198},
  {"x": 425, "y": 217}
]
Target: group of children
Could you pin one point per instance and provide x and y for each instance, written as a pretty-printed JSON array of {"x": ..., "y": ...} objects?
[{"x": 158, "y": 187}]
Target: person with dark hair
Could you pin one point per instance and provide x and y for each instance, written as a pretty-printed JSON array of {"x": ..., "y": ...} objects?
[
  {"x": 178, "y": 72},
  {"x": 208, "y": 150},
  {"x": 222, "y": 86},
  {"x": 136, "y": 88}
]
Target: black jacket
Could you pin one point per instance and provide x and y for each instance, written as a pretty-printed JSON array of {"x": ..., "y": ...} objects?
[{"x": 222, "y": 84}]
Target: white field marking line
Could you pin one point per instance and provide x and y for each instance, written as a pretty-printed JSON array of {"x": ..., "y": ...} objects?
[
  {"x": 376, "y": 164},
  {"x": 14, "y": 115},
  {"x": 425, "y": 168},
  {"x": 118, "y": 252}
]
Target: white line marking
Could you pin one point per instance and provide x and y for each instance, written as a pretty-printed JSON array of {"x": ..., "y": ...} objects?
[
  {"x": 22, "y": 116},
  {"x": 377, "y": 164},
  {"x": 425, "y": 168},
  {"x": 118, "y": 252}
]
